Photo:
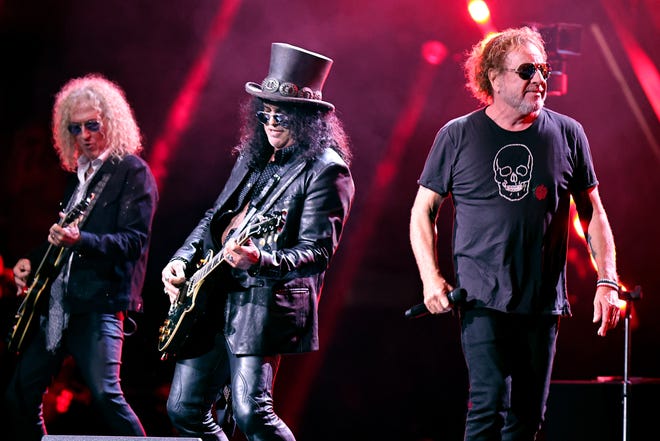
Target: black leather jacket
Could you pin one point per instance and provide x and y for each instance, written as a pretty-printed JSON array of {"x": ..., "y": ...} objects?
[{"x": 273, "y": 308}]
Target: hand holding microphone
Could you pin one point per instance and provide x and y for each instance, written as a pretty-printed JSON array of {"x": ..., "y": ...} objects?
[{"x": 456, "y": 297}]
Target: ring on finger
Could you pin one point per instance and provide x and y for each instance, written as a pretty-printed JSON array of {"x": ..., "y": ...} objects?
[{"x": 230, "y": 258}]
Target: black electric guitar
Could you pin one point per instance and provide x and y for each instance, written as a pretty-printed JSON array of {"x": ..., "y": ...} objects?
[
  {"x": 184, "y": 310},
  {"x": 26, "y": 319}
]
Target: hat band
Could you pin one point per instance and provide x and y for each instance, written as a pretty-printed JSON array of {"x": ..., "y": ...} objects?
[{"x": 290, "y": 90}]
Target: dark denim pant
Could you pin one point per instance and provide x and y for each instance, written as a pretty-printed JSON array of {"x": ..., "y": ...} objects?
[
  {"x": 198, "y": 384},
  {"x": 509, "y": 359},
  {"x": 95, "y": 341}
]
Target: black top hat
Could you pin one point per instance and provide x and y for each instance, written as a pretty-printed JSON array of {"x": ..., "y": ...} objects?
[{"x": 296, "y": 75}]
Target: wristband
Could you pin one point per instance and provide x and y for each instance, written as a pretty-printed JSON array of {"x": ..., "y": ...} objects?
[{"x": 607, "y": 282}]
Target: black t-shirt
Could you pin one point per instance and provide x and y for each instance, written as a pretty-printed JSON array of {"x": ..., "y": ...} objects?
[{"x": 511, "y": 194}]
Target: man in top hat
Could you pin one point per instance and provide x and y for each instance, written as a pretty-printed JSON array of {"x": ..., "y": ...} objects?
[{"x": 272, "y": 231}]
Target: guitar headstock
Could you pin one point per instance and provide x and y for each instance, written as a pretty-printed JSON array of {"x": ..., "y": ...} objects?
[
  {"x": 78, "y": 210},
  {"x": 265, "y": 225}
]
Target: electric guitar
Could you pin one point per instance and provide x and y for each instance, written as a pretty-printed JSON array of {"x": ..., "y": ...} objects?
[
  {"x": 184, "y": 310},
  {"x": 26, "y": 319}
]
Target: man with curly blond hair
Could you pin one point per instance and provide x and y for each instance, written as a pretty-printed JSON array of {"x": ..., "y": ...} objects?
[
  {"x": 511, "y": 169},
  {"x": 104, "y": 257}
]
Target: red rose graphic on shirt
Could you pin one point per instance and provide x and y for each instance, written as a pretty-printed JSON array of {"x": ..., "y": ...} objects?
[{"x": 541, "y": 192}]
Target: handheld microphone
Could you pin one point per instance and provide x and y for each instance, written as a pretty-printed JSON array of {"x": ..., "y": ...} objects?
[{"x": 456, "y": 297}]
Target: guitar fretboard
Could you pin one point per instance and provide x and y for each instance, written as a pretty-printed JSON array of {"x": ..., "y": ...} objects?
[{"x": 220, "y": 257}]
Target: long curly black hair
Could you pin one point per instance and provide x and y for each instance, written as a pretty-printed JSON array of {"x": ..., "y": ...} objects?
[{"x": 313, "y": 128}]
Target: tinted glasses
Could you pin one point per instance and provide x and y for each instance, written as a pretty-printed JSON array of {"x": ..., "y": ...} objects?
[
  {"x": 527, "y": 70},
  {"x": 92, "y": 125},
  {"x": 280, "y": 118}
]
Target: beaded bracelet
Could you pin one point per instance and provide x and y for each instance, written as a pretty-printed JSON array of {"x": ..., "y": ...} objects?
[{"x": 607, "y": 282}]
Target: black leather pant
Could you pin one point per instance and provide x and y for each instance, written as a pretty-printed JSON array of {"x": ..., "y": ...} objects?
[{"x": 198, "y": 384}]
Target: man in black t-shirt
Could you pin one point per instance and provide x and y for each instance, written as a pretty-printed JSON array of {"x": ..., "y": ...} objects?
[{"x": 511, "y": 168}]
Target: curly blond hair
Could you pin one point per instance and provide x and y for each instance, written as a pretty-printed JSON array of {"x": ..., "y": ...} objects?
[
  {"x": 490, "y": 53},
  {"x": 120, "y": 129}
]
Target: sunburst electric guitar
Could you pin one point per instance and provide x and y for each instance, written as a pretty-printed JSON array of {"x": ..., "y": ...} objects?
[
  {"x": 26, "y": 319},
  {"x": 184, "y": 310}
]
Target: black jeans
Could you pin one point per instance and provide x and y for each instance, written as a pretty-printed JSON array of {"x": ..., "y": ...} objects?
[
  {"x": 95, "y": 341},
  {"x": 198, "y": 383},
  {"x": 509, "y": 359}
]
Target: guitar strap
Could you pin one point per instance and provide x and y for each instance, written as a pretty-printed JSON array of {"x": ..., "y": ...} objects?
[
  {"x": 259, "y": 205},
  {"x": 98, "y": 188}
]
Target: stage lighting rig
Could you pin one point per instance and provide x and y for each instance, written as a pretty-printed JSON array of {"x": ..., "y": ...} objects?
[{"x": 562, "y": 42}]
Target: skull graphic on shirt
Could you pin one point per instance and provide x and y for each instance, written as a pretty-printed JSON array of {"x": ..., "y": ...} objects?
[{"x": 513, "y": 166}]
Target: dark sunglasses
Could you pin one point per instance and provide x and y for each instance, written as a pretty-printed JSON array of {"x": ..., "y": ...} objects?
[
  {"x": 280, "y": 118},
  {"x": 92, "y": 125},
  {"x": 527, "y": 70}
]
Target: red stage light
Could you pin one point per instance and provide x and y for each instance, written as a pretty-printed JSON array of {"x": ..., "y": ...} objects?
[
  {"x": 434, "y": 52},
  {"x": 63, "y": 401}
]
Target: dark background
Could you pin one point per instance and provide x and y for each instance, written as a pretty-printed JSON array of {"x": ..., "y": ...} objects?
[{"x": 377, "y": 375}]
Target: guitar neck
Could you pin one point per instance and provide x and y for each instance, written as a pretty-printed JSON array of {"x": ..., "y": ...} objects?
[
  {"x": 52, "y": 260},
  {"x": 207, "y": 268},
  {"x": 55, "y": 255},
  {"x": 217, "y": 259}
]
